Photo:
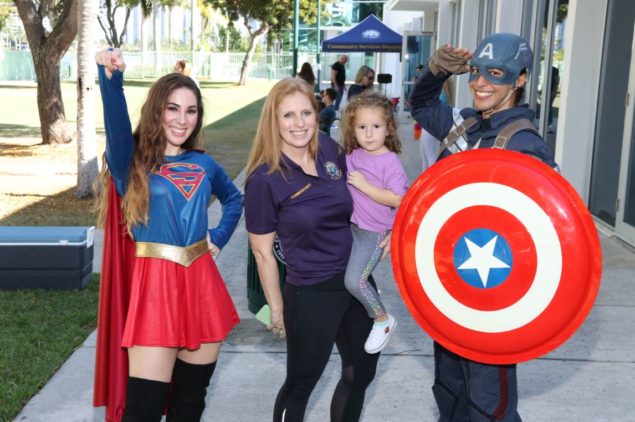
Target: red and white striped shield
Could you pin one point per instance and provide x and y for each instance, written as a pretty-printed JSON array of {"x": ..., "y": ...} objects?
[{"x": 496, "y": 256}]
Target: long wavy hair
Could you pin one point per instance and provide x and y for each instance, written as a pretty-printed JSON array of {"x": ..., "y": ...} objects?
[
  {"x": 306, "y": 73},
  {"x": 150, "y": 142},
  {"x": 267, "y": 145},
  {"x": 370, "y": 99}
]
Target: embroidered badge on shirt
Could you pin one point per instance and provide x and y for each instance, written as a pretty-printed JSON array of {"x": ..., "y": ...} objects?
[
  {"x": 185, "y": 177},
  {"x": 333, "y": 170}
]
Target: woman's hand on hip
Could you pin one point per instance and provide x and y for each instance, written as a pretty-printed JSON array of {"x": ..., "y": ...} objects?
[{"x": 213, "y": 249}]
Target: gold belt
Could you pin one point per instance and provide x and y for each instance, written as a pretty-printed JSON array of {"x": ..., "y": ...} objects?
[{"x": 183, "y": 255}]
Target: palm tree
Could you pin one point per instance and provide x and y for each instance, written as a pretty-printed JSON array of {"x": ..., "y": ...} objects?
[{"x": 87, "y": 167}]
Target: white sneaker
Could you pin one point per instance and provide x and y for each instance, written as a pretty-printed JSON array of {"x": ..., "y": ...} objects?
[{"x": 379, "y": 336}]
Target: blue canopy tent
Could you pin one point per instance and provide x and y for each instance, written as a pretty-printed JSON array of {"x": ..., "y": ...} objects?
[{"x": 370, "y": 35}]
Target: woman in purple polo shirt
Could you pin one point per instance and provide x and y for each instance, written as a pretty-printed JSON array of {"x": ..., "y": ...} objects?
[{"x": 296, "y": 187}]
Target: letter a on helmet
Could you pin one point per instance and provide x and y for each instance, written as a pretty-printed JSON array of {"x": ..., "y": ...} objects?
[{"x": 503, "y": 51}]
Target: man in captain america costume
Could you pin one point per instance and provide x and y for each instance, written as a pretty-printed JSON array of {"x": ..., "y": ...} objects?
[
  {"x": 466, "y": 390},
  {"x": 178, "y": 310}
]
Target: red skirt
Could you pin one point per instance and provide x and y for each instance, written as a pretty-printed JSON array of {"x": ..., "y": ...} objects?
[{"x": 176, "y": 306}]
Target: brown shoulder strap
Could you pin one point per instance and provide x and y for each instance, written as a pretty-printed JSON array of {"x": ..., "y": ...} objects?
[
  {"x": 510, "y": 130},
  {"x": 455, "y": 135}
]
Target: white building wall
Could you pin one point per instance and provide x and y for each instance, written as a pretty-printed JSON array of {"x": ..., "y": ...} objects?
[
  {"x": 509, "y": 16},
  {"x": 444, "y": 23},
  {"x": 579, "y": 91},
  {"x": 390, "y": 62},
  {"x": 467, "y": 39}
]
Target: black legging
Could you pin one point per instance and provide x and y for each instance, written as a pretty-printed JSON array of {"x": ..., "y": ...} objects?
[{"x": 315, "y": 318}]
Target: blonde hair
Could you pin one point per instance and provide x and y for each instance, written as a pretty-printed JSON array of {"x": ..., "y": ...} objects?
[
  {"x": 363, "y": 71},
  {"x": 369, "y": 99},
  {"x": 267, "y": 145},
  {"x": 150, "y": 143},
  {"x": 184, "y": 67}
]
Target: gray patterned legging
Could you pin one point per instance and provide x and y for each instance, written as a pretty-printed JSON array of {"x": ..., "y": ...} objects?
[{"x": 365, "y": 255}]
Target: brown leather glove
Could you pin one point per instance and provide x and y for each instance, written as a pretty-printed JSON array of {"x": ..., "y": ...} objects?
[{"x": 446, "y": 61}]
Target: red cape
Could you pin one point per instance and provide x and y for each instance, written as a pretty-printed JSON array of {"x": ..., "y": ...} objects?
[{"x": 111, "y": 363}]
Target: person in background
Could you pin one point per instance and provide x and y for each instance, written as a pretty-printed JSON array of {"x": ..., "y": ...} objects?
[
  {"x": 466, "y": 390},
  {"x": 377, "y": 182},
  {"x": 338, "y": 79},
  {"x": 327, "y": 114},
  {"x": 179, "y": 309},
  {"x": 363, "y": 80},
  {"x": 306, "y": 73},
  {"x": 185, "y": 68},
  {"x": 296, "y": 188}
]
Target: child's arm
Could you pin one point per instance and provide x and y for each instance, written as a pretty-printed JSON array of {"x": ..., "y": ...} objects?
[{"x": 381, "y": 196}]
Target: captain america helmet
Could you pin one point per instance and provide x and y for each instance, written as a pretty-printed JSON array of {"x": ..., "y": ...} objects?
[{"x": 505, "y": 52}]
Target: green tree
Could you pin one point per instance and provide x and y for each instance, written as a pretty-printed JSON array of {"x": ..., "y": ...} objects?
[
  {"x": 260, "y": 17},
  {"x": 50, "y": 29},
  {"x": 5, "y": 10},
  {"x": 235, "y": 42},
  {"x": 106, "y": 17}
]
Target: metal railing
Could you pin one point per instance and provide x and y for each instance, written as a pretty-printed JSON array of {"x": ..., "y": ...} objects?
[{"x": 18, "y": 65}]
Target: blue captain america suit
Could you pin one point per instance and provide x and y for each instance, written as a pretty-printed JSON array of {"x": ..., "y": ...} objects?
[
  {"x": 460, "y": 383},
  {"x": 180, "y": 188}
]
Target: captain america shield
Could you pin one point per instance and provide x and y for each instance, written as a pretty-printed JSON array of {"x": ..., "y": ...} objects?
[{"x": 496, "y": 256}]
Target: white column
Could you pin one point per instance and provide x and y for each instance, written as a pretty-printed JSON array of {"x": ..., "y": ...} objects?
[
  {"x": 509, "y": 15},
  {"x": 579, "y": 91}
]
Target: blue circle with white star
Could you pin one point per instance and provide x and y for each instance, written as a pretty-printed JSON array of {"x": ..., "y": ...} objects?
[{"x": 483, "y": 258}]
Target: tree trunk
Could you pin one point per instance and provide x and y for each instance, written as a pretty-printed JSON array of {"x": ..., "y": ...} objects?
[
  {"x": 49, "y": 101},
  {"x": 253, "y": 40},
  {"x": 47, "y": 51},
  {"x": 144, "y": 45},
  {"x": 156, "y": 32},
  {"x": 170, "y": 28},
  {"x": 87, "y": 168},
  {"x": 192, "y": 39}
]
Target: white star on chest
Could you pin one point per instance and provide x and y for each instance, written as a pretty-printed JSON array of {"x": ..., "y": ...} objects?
[{"x": 482, "y": 259}]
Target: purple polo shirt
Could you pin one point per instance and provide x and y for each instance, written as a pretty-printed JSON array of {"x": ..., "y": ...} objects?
[{"x": 310, "y": 214}]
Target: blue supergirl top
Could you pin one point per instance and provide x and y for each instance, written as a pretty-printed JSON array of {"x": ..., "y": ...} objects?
[
  {"x": 310, "y": 214},
  {"x": 180, "y": 188}
]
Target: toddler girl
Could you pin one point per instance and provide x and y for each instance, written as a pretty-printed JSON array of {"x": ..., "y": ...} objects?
[{"x": 377, "y": 182}]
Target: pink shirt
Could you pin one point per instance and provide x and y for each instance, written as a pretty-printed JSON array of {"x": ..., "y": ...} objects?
[{"x": 384, "y": 171}]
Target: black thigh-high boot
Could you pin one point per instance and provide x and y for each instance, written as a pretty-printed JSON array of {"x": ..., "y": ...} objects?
[
  {"x": 144, "y": 400},
  {"x": 189, "y": 386}
]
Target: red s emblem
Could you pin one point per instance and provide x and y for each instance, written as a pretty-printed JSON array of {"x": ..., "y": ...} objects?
[{"x": 185, "y": 177}]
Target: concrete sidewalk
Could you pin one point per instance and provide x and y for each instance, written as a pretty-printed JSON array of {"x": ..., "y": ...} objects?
[{"x": 590, "y": 378}]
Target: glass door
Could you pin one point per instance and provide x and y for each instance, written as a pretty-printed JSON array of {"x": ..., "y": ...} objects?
[
  {"x": 625, "y": 218},
  {"x": 416, "y": 50}
]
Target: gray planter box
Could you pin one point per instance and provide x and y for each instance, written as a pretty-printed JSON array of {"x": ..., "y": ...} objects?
[{"x": 45, "y": 257}]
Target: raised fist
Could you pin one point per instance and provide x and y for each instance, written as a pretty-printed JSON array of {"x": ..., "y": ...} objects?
[
  {"x": 450, "y": 60},
  {"x": 111, "y": 59}
]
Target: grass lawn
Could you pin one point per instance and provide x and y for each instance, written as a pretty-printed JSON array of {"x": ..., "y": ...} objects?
[
  {"x": 40, "y": 329},
  {"x": 37, "y": 181}
]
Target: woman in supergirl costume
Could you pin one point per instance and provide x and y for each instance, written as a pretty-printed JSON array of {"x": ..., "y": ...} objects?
[{"x": 179, "y": 310}]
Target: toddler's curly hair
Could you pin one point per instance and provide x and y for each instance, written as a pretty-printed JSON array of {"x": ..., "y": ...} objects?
[{"x": 370, "y": 99}]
